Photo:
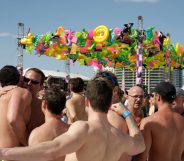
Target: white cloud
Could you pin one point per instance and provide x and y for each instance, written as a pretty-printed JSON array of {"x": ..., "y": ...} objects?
[
  {"x": 138, "y": 1},
  {"x": 6, "y": 34}
]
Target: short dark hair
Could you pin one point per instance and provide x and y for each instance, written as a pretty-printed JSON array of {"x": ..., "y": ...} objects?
[
  {"x": 99, "y": 93},
  {"x": 166, "y": 90},
  {"x": 36, "y": 70},
  {"x": 111, "y": 77},
  {"x": 76, "y": 84},
  {"x": 9, "y": 75},
  {"x": 55, "y": 100}
]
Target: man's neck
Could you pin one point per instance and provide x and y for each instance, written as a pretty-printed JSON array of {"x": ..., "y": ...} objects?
[
  {"x": 51, "y": 117},
  {"x": 94, "y": 115},
  {"x": 73, "y": 94},
  {"x": 165, "y": 106}
]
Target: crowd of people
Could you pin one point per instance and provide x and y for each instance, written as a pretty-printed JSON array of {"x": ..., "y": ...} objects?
[{"x": 101, "y": 123}]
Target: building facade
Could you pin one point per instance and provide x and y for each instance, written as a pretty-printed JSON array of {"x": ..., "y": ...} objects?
[{"x": 150, "y": 78}]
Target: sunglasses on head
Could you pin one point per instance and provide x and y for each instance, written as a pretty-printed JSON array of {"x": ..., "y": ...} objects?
[
  {"x": 30, "y": 80},
  {"x": 109, "y": 76}
]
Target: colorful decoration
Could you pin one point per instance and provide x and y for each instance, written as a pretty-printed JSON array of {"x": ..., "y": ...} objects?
[{"x": 108, "y": 47}]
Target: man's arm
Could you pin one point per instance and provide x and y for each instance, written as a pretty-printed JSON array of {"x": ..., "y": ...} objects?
[
  {"x": 16, "y": 112},
  {"x": 4, "y": 90},
  {"x": 146, "y": 130},
  {"x": 134, "y": 144},
  {"x": 69, "y": 142}
]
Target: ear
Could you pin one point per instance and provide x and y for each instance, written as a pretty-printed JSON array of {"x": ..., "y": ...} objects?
[
  {"x": 157, "y": 97},
  {"x": 87, "y": 103},
  {"x": 44, "y": 105}
]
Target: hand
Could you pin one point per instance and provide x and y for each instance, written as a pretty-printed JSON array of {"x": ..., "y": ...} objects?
[{"x": 119, "y": 108}]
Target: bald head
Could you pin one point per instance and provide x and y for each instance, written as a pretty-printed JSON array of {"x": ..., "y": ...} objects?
[
  {"x": 135, "y": 98},
  {"x": 135, "y": 89}
]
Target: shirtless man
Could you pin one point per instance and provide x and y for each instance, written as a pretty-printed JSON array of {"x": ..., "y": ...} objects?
[
  {"x": 115, "y": 119},
  {"x": 135, "y": 102},
  {"x": 53, "y": 103},
  {"x": 90, "y": 140},
  {"x": 33, "y": 81},
  {"x": 15, "y": 109},
  {"x": 164, "y": 130},
  {"x": 75, "y": 106}
]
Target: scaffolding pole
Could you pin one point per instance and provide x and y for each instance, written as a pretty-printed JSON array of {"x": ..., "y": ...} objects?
[
  {"x": 20, "y": 47},
  {"x": 139, "y": 51}
]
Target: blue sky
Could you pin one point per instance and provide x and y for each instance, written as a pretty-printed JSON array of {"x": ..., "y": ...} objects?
[{"x": 45, "y": 16}]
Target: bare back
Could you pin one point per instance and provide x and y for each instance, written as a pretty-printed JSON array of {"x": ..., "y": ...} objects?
[
  {"x": 103, "y": 143},
  {"x": 164, "y": 133},
  {"x": 76, "y": 108},
  {"x": 14, "y": 102},
  {"x": 48, "y": 131}
]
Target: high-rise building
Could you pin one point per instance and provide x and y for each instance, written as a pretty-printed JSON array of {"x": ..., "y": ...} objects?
[{"x": 127, "y": 78}]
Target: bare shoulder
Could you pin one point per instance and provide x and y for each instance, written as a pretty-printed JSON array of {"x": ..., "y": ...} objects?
[
  {"x": 68, "y": 102},
  {"x": 147, "y": 122},
  {"x": 40, "y": 134},
  {"x": 80, "y": 127}
]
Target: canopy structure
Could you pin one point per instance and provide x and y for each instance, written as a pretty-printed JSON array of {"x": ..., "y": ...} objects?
[{"x": 102, "y": 46}]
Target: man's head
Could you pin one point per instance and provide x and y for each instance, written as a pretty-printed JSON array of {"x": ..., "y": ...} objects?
[
  {"x": 9, "y": 75},
  {"x": 178, "y": 103},
  {"x": 55, "y": 100},
  {"x": 165, "y": 92},
  {"x": 33, "y": 80},
  {"x": 110, "y": 78},
  {"x": 99, "y": 94},
  {"x": 76, "y": 85},
  {"x": 135, "y": 98}
]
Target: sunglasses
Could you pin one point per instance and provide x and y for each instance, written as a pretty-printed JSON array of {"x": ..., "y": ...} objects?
[
  {"x": 108, "y": 76},
  {"x": 30, "y": 80}
]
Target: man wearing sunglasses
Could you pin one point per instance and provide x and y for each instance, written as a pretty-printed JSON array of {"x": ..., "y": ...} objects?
[
  {"x": 33, "y": 80},
  {"x": 15, "y": 105}
]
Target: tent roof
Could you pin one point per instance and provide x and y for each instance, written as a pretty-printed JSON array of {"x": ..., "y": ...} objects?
[{"x": 61, "y": 74}]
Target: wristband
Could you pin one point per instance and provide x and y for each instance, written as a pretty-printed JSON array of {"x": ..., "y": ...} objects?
[{"x": 126, "y": 114}]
